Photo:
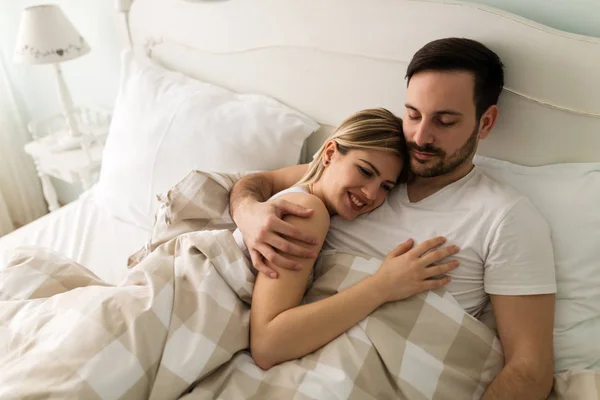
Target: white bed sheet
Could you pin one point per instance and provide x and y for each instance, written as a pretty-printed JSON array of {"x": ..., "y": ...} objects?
[{"x": 84, "y": 232}]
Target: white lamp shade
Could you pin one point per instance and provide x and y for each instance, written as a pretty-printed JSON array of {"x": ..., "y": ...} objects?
[{"x": 47, "y": 36}]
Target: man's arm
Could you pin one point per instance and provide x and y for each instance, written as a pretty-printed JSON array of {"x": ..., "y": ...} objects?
[
  {"x": 255, "y": 187},
  {"x": 525, "y": 326},
  {"x": 261, "y": 186},
  {"x": 264, "y": 231}
]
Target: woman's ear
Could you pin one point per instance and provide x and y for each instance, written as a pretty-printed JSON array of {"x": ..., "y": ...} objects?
[{"x": 328, "y": 154}]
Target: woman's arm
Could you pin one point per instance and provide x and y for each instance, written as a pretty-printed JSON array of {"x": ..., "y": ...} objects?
[
  {"x": 274, "y": 299},
  {"x": 280, "y": 330}
]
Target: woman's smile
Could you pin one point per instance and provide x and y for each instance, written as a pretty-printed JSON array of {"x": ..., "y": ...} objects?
[{"x": 356, "y": 203}]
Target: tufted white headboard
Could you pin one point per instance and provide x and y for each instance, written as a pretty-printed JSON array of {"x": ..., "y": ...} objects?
[{"x": 329, "y": 58}]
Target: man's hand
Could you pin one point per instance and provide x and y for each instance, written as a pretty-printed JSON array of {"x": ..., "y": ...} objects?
[{"x": 268, "y": 236}]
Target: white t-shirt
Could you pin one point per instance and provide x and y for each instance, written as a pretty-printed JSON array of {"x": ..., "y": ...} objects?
[{"x": 505, "y": 243}]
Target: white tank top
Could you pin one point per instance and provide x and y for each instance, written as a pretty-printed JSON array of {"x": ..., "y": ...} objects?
[{"x": 237, "y": 235}]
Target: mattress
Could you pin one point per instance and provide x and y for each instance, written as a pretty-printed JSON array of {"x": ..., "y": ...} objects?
[{"x": 85, "y": 232}]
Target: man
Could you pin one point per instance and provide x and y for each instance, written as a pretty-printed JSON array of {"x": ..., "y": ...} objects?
[{"x": 506, "y": 257}]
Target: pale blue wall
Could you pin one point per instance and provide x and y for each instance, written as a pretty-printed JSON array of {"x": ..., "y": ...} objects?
[{"x": 576, "y": 16}]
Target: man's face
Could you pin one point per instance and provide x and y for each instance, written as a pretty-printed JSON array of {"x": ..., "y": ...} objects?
[{"x": 439, "y": 123}]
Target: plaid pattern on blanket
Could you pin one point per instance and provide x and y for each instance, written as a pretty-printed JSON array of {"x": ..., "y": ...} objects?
[
  {"x": 182, "y": 315},
  {"x": 425, "y": 347},
  {"x": 179, "y": 327}
]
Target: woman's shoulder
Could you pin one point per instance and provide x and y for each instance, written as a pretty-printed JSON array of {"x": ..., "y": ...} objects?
[
  {"x": 306, "y": 199},
  {"x": 292, "y": 189}
]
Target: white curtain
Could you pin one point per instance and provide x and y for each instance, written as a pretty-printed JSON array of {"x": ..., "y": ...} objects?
[{"x": 21, "y": 197}]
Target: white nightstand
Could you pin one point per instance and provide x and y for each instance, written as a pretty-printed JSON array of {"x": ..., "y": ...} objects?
[{"x": 73, "y": 165}]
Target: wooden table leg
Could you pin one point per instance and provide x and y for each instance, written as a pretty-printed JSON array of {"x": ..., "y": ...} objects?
[{"x": 49, "y": 191}]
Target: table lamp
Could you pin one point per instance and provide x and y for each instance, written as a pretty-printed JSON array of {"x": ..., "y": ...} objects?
[{"x": 46, "y": 36}]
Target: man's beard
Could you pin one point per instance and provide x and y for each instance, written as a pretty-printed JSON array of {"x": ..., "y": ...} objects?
[{"x": 444, "y": 164}]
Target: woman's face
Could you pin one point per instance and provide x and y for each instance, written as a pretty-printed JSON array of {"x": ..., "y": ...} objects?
[{"x": 358, "y": 182}]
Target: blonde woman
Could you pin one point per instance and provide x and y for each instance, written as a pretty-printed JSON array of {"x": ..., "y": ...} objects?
[{"x": 351, "y": 175}]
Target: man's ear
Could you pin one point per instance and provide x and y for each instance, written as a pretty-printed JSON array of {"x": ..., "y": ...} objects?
[
  {"x": 487, "y": 121},
  {"x": 330, "y": 151}
]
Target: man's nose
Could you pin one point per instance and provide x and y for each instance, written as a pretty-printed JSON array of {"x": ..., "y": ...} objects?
[{"x": 423, "y": 134}]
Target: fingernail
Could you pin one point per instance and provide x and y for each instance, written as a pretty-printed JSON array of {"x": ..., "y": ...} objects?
[
  {"x": 273, "y": 275},
  {"x": 315, "y": 241},
  {"x": 297, "y": 266}
]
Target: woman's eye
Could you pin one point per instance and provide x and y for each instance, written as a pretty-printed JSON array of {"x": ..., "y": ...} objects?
[
  {"x": 365, "y": 172},
  {"x": 387, "y": 188},
  {"x": 413, "y": 117}
]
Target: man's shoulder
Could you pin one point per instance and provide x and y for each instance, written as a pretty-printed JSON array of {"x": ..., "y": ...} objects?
[
  {"x": 504, "y": 202},
  {"x": 494, "y": 193}
]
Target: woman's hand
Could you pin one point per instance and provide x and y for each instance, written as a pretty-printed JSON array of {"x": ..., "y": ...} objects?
[
  {"x": 406, "y": 271},
  {"x": 267, "y": 235}
]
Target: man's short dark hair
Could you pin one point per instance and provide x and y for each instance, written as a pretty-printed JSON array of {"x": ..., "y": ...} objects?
[{"x": 459, "y": 54}]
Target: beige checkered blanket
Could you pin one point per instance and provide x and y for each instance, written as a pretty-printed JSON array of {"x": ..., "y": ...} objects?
[{"x": 178, "y": 326}]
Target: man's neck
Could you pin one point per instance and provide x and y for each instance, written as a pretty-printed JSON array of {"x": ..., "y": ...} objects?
[{"x": 421, "y": 188}]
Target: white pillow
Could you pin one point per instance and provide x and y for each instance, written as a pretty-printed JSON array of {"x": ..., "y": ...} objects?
[
  {"x": 568, "y": 195},
  {"x": 166, "y": 124}
]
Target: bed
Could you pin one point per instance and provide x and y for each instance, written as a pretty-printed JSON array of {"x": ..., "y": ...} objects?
[
  {"x": 81, "y": 231},
  {"x": 327, "y": 60}
]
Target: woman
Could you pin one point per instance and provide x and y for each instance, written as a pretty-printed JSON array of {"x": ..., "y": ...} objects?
[{"x": 352, "y": 174}]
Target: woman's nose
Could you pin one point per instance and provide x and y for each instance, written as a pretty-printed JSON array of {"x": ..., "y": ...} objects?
[{"x": 370, "y": 190}]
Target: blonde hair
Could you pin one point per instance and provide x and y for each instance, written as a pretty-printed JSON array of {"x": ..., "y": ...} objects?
[{"x": 370, "y": 129}]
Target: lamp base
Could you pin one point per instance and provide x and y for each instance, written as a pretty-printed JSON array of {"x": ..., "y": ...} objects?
[{"x": 66, "y": 102}]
